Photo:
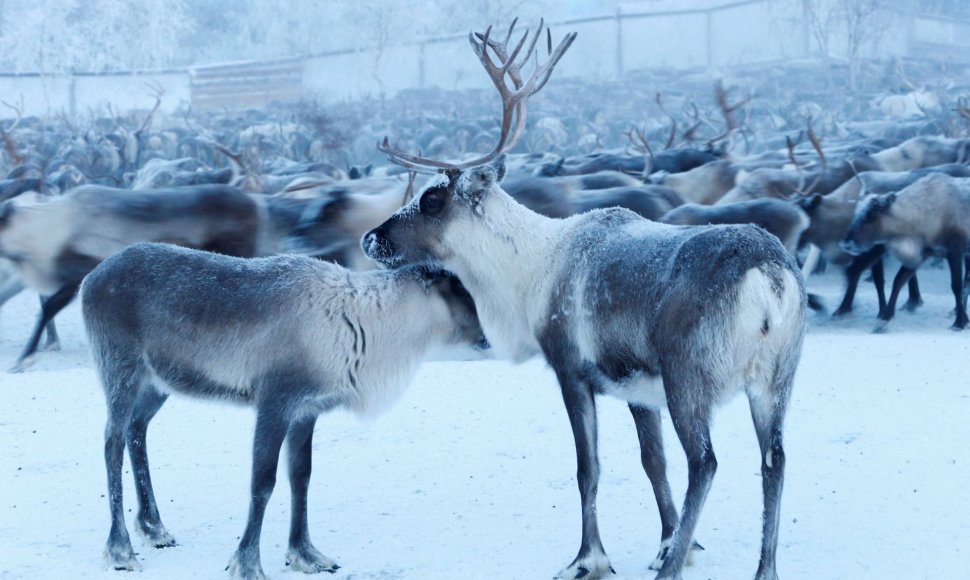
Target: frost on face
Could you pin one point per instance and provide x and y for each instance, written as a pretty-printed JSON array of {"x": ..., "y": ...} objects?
[{"x": 438, "y": 180}]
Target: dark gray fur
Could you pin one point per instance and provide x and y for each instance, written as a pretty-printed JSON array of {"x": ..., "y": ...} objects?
[
  {"x": 782, "y": 219},
  {"x": 290, "y": 336}
]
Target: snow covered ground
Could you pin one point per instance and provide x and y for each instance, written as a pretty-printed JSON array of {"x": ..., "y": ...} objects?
[{"x": 471, "y": 474}]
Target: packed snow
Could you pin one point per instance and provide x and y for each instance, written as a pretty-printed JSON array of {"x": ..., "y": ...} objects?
[{"x": 472, "y": 473}]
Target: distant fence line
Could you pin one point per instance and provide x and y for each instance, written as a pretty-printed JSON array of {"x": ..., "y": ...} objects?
[{"x": 731, "y": 33}]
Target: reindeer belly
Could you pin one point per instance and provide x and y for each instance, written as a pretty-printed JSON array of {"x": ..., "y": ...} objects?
[{"x": 639, "y": 388}]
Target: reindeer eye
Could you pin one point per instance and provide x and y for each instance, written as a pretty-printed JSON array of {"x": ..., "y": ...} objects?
[{"x": 432, "y": 203}]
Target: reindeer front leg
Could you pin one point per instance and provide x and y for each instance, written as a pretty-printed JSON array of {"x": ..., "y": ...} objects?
[{"x": 591, "y": 561}]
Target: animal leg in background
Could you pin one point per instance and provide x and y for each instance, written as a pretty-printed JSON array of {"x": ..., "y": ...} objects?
[
  {"x": 902, "y": 277},
  {"x": 49, "y": 308},
  {"x": 870, "y": 259},
  {"x": 955, "y": 259}
]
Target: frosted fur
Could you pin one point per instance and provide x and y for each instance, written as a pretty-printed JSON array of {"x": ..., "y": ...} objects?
[
  {"x": 325, "y": 311},
  {"x": 291, "y": 336},
  {"x": 657, "y": 315}
]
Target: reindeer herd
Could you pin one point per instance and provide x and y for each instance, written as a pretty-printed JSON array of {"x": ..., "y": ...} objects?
[{"x": 237, "y": 260}]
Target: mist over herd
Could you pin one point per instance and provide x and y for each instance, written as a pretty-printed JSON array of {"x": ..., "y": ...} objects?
[{"x": 663, "y": 237}]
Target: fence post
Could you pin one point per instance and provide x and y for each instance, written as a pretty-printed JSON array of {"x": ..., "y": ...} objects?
[
  {"x": 72, "y": 95},
  {"x": 710, "y": 38},
  {"x": 619, "y": 42},
  {"x": 421, "y": 77}
]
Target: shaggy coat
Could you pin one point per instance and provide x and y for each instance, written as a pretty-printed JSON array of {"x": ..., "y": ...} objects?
[
  {"x": 291, "y": 336},
  {"x": 657, "y": 315}
]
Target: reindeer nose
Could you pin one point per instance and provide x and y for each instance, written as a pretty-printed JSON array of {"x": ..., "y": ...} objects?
[{"x": 375, "y": 245}]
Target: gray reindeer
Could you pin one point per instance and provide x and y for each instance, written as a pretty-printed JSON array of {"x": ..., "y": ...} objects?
[
  {"x": 291, "y": 336},
  {"x": 931, "y": 216},
  {"x": 657, "y": 315}
]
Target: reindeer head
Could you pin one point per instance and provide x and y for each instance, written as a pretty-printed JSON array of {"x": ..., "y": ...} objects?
[
  {"x": 461, "y": 193},
  {"x": 866, "y": 229},
  {"x": 465, "y": 328},
  {"x": 450, "y": 205}
]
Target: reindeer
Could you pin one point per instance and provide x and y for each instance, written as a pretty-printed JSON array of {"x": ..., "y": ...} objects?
[
  {"x": 923, "y": 151},
  {"x": 657, "y": 315},
  {"x": 55, "y": 244},
  {"x": 782, "y": 219},
  {"x": 290, "y": 336},
  {"x": 931, "y": 216},
  {"x": 832, "y": 214}
]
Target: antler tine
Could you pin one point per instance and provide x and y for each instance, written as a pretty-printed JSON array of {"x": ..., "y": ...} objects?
[
  {"x": 508, "y": 36},
  {"x": 18, "y": 109},
  {"x": 638, "y": 134},
  {"x": 532, "y": 45},
  {"x": 550, "y": 64},
  {"x": 673, "y": 134},
  {"x": 817, "y": 144},
  {"x": 411, "y": 162},
  {"x": 962, "y": 108},
  {"x": 791, "y": 151}
]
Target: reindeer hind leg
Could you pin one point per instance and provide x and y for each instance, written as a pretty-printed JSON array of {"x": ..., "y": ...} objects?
[
  {"x": 148, "y": 522},
  {"x": 691, "y": 418},
  {"x": 768, "y": 413},
  {"x": 122, "y": 380}
]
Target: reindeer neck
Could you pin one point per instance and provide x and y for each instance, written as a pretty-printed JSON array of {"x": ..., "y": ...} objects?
[{"x": 505, "y": 264}]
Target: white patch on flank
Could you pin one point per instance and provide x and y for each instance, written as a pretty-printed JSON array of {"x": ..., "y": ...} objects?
[{"x": 756, "y": 351}]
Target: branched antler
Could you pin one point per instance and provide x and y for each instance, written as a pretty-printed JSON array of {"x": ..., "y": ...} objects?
[
  {"x": 727, "y": 109},
  {"x": 638, "y": 140},
  {"x": 513, "y": 98},
  {"x": 802, "y": 191},
  {"x": 156, "y": 91},
  {"x": 673, "y": 122},
  {"x": 963, "y": 108},
  {"x": 18, "y": 109}
]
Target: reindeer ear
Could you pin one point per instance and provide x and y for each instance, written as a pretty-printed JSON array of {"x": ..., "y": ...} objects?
[
  {"x": 499, "y": 166},
  {"x": 477, "y": 182},
  {"x": 6, "y": 210},
  {"x": 811, "y": 202}
]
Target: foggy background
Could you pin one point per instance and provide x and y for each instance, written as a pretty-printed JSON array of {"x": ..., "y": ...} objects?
[{"x": 74, "y": 56}]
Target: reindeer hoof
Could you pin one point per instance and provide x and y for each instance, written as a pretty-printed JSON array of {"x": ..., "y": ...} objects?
[
  {"x": 22, "y": 365},
  {"x": 121, "y": 558},
  {"x": 309, "y": 560},
  {"x": 912, "y": 306},
  {"x": 591, "y": 567},
  {"x": 155, "y": 535},
  {"x": 881, "y": 327},
  {"x": 658, "y": 562},
  {"x": 245, "y": 568},
  {"x": 841, "y": 313}
]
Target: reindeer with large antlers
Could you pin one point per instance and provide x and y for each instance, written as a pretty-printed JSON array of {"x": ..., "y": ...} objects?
[{"x": 657, "y": 315}]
